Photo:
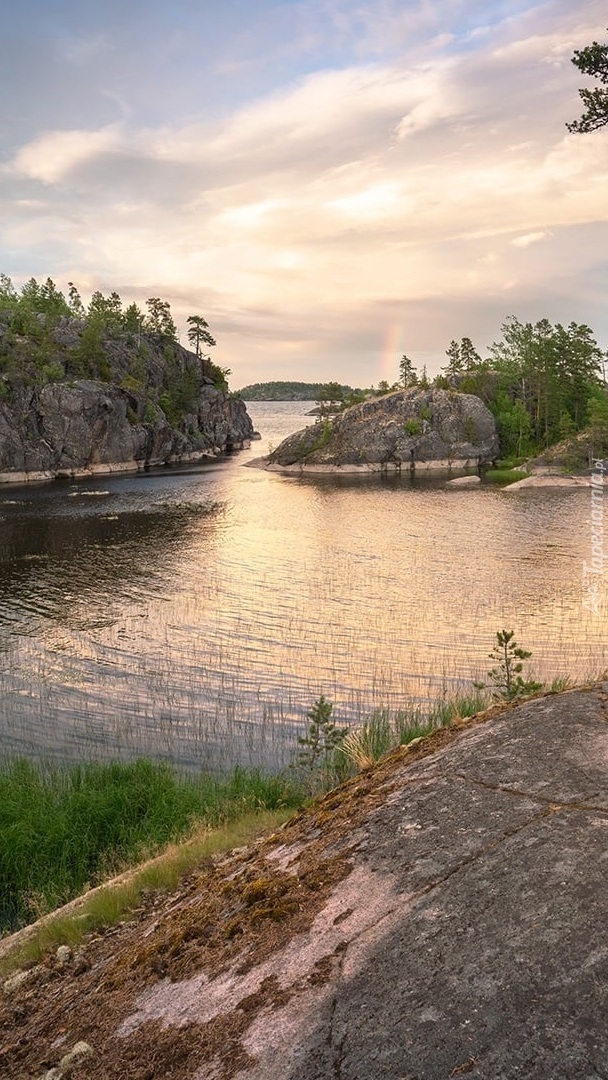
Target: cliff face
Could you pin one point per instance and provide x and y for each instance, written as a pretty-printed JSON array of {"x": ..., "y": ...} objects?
[
  {"x": 155, "y": 405},
  {"x": 421, "y": 428}
]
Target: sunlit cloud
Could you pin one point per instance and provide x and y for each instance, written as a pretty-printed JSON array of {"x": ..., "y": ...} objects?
[
  {"x": 54, "y": 154},
  {"x": 439, "y": 180},
  {"x": 529, "y": 238}
]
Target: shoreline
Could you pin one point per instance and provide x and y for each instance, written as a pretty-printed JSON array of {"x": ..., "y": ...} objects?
[
  {"x": 463, "y": 468},
  {"x": 90, "y": 472}
]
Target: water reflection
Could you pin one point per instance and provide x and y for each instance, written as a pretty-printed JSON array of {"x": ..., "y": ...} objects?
[{"x": 198, "y": 614}]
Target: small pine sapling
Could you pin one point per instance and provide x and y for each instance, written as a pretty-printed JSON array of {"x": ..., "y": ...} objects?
[{"x": 506, "y": 681}]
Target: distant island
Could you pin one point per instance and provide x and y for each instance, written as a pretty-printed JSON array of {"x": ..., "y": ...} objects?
[{"x": 289, "y": 391}]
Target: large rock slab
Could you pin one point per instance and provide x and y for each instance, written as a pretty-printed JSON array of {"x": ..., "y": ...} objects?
[
  {"x": 418, "y": 429},
  {"x": 443, "y": 914},
  {"x": 156, "y": 406}
]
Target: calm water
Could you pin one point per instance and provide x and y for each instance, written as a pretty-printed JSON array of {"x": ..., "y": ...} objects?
[{"x": 196, "y": 615}]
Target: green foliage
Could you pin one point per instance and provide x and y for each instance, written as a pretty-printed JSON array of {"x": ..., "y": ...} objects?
[
  {"x": 330, "y": 395},
  {"x": 463, "y": 357},
  {"x": 130, "y": 382},
  {"x": 220, "y": 377},
  {"x": 413, "y": 427},
  {"x": 169, "y": 407},
  {"x": 159, "y": 319},
  {"x": 407, "y": 373},
  {"x": 505, "y": 476},
  {"x": 322, "y": 740},
  {"x": 52, "y": 373},
  {"x": 62, "y": 829},
  {"x": 546, "y": 375},
  {"x": 598, "y": 421},
  {"x": 90, "y": 352},
  {"x": 506, "y": 680},
  {"x": 198, "y": 333},
  {"x": 150, "y": 413},
  {"x": 593, "y": 61},
  {"x": 323, "y": 438},
  {"x": 75, "y": 303},
  {"x": 31, "y": 349},
  {"x": 106, "y": 311},
  {"x": 281, "y": 390}
]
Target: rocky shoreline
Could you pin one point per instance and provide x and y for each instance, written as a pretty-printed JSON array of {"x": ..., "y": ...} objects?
[{"x": 414, "y": 429}]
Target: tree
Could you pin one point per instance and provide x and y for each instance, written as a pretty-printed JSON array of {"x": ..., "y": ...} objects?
[
  {"x": 407, "y": 372},
  {"x": 462, "y": 357},
  {"x": 329, "y": 397},
  {"x": 551, "y": 370},
  {"x": 593, "y": 60},
  {"x": 469, "y": 356},
  {"x": 75, "y": 301},
  {"x": 454, "y": 366},
  {"x": 506, "y": 677},
  {"x": 133, "y": 319},
  {"x": 106, "y": 310},
  {"x": 159, "y": 319},
  {"x": 198, "y": 332}
]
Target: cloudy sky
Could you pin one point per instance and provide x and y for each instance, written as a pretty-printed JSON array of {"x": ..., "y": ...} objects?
[{"x": 331, "y": 183}]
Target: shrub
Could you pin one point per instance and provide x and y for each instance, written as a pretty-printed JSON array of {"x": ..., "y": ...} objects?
[
  {"x": 506, "y": 680},
  {"x": 317, "y": 760}
]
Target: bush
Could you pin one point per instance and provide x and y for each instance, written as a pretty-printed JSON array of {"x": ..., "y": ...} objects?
[{"x": 413, "y": 427}]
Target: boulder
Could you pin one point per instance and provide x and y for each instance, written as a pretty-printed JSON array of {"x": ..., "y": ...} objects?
[
  {"x": 418, "y": 429},
  {"x": 465, "y": 481}
]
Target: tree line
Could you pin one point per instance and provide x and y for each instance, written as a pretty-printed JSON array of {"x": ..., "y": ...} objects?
[
  {"x": 20, "y": 311},
  {"x": 544, "y": 383}
]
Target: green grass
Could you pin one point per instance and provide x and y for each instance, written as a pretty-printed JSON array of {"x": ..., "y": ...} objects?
[
  {"x": 119, "y": 898},
  {"x": 510, "y": 462},
  {"x": 505, "y": 476},
  {"x": 384, "y": 731},
  {"x": 64, "y": 830}
]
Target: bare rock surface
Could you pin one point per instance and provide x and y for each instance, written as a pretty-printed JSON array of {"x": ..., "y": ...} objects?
[
  {"x": 550, "y": 480},
  {"x": 169, "y": 412},
  {"x": 442, "y": 914},
  {"x": 409, "y": 428}
]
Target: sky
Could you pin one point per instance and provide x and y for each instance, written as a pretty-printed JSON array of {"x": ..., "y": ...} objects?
[{"x": 330, "y": 183}]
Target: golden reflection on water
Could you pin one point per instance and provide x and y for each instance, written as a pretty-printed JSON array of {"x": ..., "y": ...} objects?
[{"x": 208, "y": 633}]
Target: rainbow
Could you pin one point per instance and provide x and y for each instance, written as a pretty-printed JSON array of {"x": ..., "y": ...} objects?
[{"x": 392, "y": 351}]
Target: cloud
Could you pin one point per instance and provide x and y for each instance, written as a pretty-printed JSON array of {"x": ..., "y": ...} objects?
[
  {"x": 442, "y": 180},
  {"x": 529, "y": 238},
  {"x": 54, "y": 154}
]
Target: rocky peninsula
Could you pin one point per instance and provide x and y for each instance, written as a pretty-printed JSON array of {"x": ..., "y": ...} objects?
[
  {"x": 413, "y": 429},
  {"x": 122, "y": 401}
]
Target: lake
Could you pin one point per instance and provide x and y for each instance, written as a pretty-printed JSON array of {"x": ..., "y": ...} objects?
[{"x": 196, "y": 614}]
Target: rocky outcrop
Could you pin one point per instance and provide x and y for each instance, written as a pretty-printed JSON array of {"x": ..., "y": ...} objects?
[
  {"x": 419, "y": 429},
  {"x": 159, "y": 408},
  {"x": 441, "y": 914}
]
